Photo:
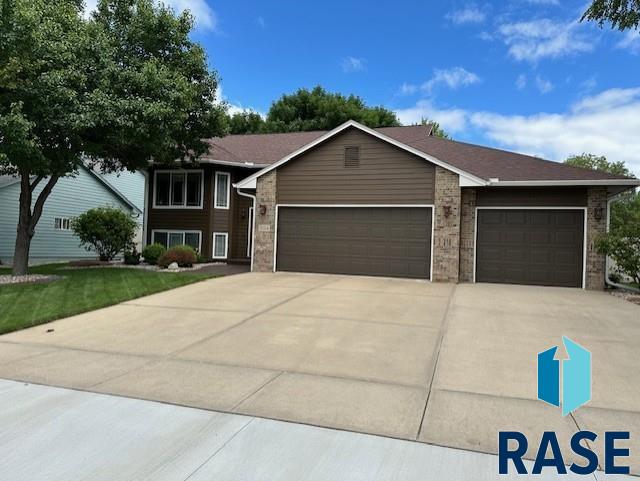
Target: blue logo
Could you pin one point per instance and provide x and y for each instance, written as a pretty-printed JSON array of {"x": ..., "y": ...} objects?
[{"x": 575, "y": 372}]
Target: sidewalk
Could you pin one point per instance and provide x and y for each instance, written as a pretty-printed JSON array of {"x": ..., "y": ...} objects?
[{"x": 60, "y": 434}]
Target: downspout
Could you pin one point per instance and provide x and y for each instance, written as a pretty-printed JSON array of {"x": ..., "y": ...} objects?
[{"x": 253, "y": 222}]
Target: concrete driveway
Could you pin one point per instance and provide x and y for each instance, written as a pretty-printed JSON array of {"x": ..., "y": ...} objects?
[{"x": 443, "y": 364}]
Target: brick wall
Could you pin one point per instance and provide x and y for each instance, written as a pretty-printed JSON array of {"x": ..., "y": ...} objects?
[
  {"x": 467, "y": 233},
  {"x": 265, "y": 223},
  {"x": 596, "y": 200},
  {"x": 446, "y": 247}
]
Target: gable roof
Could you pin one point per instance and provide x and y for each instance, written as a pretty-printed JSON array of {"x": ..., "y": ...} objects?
[{"x": 476, "y": 165}]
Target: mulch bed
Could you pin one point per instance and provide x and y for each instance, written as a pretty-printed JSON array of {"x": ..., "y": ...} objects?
[
  {"x": 627, "y": 295},
  {"x": 28, "y": 279}
]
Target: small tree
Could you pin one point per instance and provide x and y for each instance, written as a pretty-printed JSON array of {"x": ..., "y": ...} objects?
[
  {"x": 105, "y": 230},
  {"x": 437, "y": 130},
  {"x": 624, "y": 249}
]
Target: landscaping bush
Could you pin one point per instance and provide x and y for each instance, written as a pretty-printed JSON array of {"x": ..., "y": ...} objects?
[
  {"x": 185, "y": 256},
  {"x": 624, "y": 249},
  {"x": 105, "y": 230},
  {"x": 153, "y": 252},
  {"x": 132, "y": 258}
]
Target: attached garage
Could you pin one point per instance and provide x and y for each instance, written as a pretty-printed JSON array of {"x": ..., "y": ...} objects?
[
  {"x": 530, "y": 246},
  {"x": 375, "y": 241}
]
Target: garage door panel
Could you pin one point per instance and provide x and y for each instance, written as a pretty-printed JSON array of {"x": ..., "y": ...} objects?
[
  {"x": 355, "y": 240},
  {"x": 546, "y": 248}
]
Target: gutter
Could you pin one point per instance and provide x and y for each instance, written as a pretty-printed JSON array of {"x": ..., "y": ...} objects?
[{"x": 253, "y": 220}]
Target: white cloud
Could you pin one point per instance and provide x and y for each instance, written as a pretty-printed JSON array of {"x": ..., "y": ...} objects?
[
  {"x": 234, "y": 108},
  {"x": 544, "y": 38},
  {"x": 204, "y": 15},
  {"x": 521, "y": 81},
  {"x": 469, "y": 14},
  {"x": 604, "y": 124},
  {"x": 353, "y": 64},
  {"x": 631, "y": 42},
  {"x": 453, "y": 78},
  {"x": 452, "y": 120},
  {"x": 408, "y": 89},
  {"x": 543, "y": 85}
]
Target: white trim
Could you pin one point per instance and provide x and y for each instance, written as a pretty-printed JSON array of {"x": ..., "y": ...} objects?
[
  {"x": 226, "y": 245},
  {"x": 253, "y": 227},
  {"x": 560, "y": 183},
  {"x": 352, "y": 123},
  {"x": 250, "y": 231},
  {"x": 584, "y": 243},
  {"x": 178, "y": 231},
  {"x": 215, "y": 190},
  {"x": 178, "y": 171},
  {"x": 418, "y": 206}
]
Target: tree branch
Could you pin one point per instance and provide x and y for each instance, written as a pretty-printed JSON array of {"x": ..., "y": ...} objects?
[
  {"x": 35, "y": 182},
  {"x": 37, "y": 208}
]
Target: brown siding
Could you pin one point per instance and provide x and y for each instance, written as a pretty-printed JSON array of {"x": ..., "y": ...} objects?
[
  {"x": 532, "y": 197},
  {"x": 386, "y": 175},
  {"x": 208, "y": 220}
]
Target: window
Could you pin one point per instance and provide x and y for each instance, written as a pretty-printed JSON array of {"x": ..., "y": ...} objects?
[
  {"x": 221, "y": 197},
  {"x": 172, "y": 238},
  {"x": 178, "y": 189},
  {"x": 220, "y": 244},
  {"x": 61, "y": 223}
]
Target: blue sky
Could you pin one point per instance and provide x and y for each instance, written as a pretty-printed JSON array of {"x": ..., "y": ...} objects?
[{"x": 523, "y": 75}]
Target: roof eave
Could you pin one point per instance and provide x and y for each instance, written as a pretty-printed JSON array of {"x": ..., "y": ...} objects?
[{"x": 561, "y": 183}]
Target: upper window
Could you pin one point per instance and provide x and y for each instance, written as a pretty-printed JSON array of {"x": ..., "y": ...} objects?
[
  {"x": 61, "y": 223},
  {"x": 221, "y": 190},
  {"x": 179, "y": 189}
]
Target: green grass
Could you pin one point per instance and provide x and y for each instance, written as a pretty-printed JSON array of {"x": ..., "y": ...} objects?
[{"x": 80, "y": 290}]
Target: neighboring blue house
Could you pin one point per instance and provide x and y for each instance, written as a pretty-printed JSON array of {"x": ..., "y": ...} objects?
[{"x": 70, "y": 197}]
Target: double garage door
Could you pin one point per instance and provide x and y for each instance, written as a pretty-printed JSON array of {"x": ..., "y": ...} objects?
[
  {"x": 524, "y": 246},
  {"x": 374, "y": 241}
]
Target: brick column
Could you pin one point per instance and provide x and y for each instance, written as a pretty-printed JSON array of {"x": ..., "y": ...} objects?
[
  {"x": 446, "y": 247},
  {"x": 596, "y": 199},
  {"x": 467, "y": 233},
  {"x": 265, "y": 223}
]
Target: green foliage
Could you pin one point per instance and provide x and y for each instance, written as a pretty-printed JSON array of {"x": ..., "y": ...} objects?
[
  {"x": 598, "y": 162},
  {"x": 153, "y": 252},
  {"x": 624, "y": 249},
  {"x": 625, "y": 213},
  {"x": 437, "y": 130},
  {"x": 105, "y": 230},
  {"x": 132, "y": 258},
  {"x": 184, "y": 255},
  {"x": 247, "y": 122},
  {"x": 314, "y": 109},
  {"x": 622, "y": 14}
]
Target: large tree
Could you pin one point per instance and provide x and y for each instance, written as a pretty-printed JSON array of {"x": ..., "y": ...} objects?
[
  {"x": 436, "y": 128},
  {"x": 621, "y": 14},
  {"x": 598, "y": 162},
  {"x": 122, "y": 88}
]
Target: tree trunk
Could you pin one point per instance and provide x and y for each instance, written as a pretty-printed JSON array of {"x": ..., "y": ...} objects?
[{"x": 27, "y": 220}]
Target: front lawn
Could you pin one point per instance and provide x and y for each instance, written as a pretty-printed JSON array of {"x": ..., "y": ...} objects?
[{"x": 81, "y": 290}]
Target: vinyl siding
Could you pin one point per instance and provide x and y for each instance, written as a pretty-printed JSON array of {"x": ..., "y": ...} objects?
[
  {"x": 386, "y": 175},
  {"x": 70, "y": 197},
  {"x": 129, "y": 184}
]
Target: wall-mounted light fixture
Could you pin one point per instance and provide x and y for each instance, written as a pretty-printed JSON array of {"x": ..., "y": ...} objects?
[
  {"x": 598, "y": 213},
  {"x": 262, "y": 209},
  {"x": 447, "y": 211}
]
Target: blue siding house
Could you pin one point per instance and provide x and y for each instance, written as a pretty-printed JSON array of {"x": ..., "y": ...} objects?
[{"x": 53, "y": 240}]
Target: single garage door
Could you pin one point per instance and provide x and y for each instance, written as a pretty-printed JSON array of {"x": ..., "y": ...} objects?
[
  {"x": 541, "y": 247},
  {"x": 374, "y": 241}
]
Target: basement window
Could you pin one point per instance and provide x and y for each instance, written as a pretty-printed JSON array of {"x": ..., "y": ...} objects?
[{"x": 352, "y": 156}]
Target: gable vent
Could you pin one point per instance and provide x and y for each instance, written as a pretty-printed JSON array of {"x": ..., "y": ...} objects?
[{"x": 352, "y": 156}]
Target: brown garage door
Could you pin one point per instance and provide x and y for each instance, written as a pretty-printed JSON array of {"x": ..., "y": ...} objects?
[
  {"x": 542, "y": 247},
  {"x": 375, "y": 241}
]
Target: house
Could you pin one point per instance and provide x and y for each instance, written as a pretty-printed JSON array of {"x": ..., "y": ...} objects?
[
  {"x": 393, "y": 201},
  {"x": 71, "y": 196}
]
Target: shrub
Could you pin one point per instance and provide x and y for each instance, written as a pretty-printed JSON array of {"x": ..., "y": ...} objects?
[
  {"x": 201, "y": 259},
  {"x": 624, "y": 249},
  {"x": 185, "y": 256},
  {"x": 105, "y": 230},
  {"x": 153, "y": 252},
  {"x": 132, "y": 258}
]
